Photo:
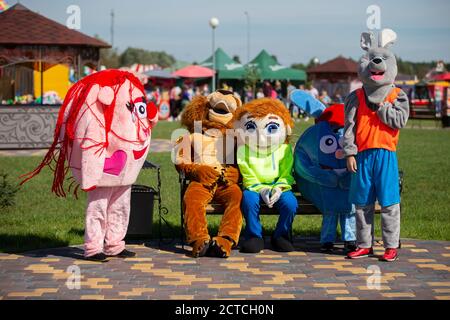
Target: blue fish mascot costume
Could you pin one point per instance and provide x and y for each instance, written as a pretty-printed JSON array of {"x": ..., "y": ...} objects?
[{"x": 321, "y": 172}]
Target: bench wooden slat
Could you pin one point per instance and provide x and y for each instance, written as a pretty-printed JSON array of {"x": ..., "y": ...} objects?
[{"x": 304, "y": 206}]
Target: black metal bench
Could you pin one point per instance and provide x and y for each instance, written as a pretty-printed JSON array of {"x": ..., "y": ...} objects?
[{"x": 305, "y": 207}]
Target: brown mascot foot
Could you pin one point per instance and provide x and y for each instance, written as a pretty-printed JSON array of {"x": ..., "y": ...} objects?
[
  {"x": 200, "y": 247},
  {"x": 220, "y": 247}
]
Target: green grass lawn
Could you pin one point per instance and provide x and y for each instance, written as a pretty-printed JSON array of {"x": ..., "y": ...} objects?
[
  {"x": 164, "y": 129},
  {"x": 39, "y": 219}
]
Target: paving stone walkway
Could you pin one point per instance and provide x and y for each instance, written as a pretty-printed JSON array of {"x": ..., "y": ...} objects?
[{"x": 422, "y": 272}]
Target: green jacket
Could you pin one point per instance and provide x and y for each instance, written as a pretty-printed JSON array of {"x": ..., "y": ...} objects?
[{"x": 261, "y": 170}]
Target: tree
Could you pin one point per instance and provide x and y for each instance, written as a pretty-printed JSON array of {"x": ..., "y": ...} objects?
[
  {"x": 299, "y": 66},
  {"x": 419, "y": 69},
  {"x": 142, "y": 56},
  {"x": 251, "y": 77},
  {"x": 311, "y": 63},
  {"x": 302, "y": 66},
  {"x": 110, "y": 58}
]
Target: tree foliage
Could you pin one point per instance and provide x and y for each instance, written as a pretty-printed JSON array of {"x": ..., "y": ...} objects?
[
  {"x": 251, "y": 77},
  {"x": 418, "y": 69},
  {"x": 110, "y": 58},
  {"x": 142, "y": 56}
]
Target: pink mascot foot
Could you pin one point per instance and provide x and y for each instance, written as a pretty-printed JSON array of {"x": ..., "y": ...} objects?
[{"x": 107, "y": 216}]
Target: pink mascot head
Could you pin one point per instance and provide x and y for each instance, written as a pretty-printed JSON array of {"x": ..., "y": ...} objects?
[{"x": 103, "y": 131}]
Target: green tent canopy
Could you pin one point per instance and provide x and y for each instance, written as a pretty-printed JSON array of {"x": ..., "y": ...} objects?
[
  {"x": 226, "y": 67},
  {"x": 270, "y": 69}
]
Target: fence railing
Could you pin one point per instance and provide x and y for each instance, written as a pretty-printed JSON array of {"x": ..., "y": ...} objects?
[{"x": 27, "y": 126}]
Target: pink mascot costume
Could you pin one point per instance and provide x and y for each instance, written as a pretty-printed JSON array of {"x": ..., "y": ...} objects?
[{"x": 103, "y": 131}]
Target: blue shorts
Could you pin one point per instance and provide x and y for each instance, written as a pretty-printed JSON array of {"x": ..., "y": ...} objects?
[{"x": 376, "y": 177}]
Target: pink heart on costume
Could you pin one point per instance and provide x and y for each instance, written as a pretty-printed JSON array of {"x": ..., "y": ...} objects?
[{"x": 115, "y": 164}]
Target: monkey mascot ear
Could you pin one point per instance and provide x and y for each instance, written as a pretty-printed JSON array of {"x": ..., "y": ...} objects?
[
  {"x": 106, "y": 95},
  {"x": 196, "y": 110}
]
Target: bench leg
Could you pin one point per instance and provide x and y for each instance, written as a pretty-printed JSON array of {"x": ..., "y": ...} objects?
[
  {"x": 182, "y": 233},
  {"x": 182, "y": 216}
]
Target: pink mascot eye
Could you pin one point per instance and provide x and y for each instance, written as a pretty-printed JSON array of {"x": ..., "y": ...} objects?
[{"x": 140, "y": 109}]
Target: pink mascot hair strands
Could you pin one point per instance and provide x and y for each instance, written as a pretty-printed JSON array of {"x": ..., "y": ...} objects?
[{"x": 77, "y": 95}]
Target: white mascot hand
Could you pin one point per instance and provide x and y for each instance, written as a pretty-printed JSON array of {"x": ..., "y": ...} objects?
[
  {"x": 276, "y": 194},
  {"x": 265, "y": 195}
]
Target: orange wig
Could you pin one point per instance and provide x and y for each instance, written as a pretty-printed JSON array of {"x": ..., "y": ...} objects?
[{"x": 259, "y": 108}]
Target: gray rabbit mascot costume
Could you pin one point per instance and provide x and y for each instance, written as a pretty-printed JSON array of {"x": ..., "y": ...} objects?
[{"x": 373, "y": 116}]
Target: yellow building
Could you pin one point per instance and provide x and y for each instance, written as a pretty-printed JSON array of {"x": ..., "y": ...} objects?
[{"x": 55, "y": 79}]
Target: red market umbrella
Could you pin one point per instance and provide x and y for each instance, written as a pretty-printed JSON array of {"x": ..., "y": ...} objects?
[
  {"x": 442, "y": 77},
  {"x": 194, "y": 71}
]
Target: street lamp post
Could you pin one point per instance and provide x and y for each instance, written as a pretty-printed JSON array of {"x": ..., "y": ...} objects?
[
  {"x": 213, "y": 22},
  {"x": 248, "y": 36}
]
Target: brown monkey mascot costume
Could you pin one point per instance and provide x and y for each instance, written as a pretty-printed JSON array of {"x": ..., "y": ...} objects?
[{"x": 207, "y": 158}]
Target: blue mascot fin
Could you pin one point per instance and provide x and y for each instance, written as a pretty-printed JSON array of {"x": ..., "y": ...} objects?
[{"x": 307, "y": 103}]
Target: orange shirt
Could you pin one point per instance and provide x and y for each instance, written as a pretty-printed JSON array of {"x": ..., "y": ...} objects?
[{"x": 370, "y": 131}]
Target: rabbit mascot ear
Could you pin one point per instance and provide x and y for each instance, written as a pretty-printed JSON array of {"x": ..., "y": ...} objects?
[
  {"x": 367, "y": 40},
  {"x": 307, "y": 103},
  {"x": 386, "y": 38}
]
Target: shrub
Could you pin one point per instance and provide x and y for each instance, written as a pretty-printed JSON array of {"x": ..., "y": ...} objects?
[{"x": 7, "y": 191}]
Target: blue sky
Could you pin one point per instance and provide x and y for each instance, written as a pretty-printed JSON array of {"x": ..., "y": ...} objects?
[{"x": 293, "y": 30}]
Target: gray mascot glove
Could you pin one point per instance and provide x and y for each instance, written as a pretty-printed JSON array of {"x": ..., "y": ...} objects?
[
  {"x": 265, "y": 195},
  {"x": 276, "y": 194}
]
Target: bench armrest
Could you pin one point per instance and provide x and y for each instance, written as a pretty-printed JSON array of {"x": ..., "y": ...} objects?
[{"x": 150, "y": 165}]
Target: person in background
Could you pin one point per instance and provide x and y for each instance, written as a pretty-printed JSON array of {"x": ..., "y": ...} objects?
[
  {"x": 174, "y": 98},
  {"x": 197, "y": 91},
  {"x": 279, "y": 90},
  {"x": 248, "y": 94},
  {"x": 205, "y": 90},
  {"x": 438, "y": 101},
  {"x": 289, "y": 89},
  {"x": 273, "y": 94},
  {"x": 313, "y": 91},
  {"x": 267, "y": 89},
  {"x": 190, "y": 92},
  {"x": 260, "y": 93},
  {"x": 325, "y": 98},
  {"x": 337, "y": 96}
]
